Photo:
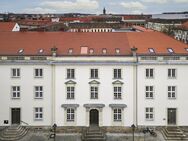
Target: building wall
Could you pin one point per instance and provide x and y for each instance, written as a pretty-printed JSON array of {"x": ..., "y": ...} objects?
[
  {"x": 161, "y": 102},
  {"x": 82, "y": 93},
  {"x": 27, "y": 102}
]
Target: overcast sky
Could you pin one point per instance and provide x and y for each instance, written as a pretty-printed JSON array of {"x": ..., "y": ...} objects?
[{"x": 93, "y": 6}]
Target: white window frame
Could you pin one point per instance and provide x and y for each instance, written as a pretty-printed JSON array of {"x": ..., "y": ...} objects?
[
  {"x": 39, "y": 91},
  {"x": 94, "y": 92},
  {"x": 148, "y": 72},
  {"x": 149, "y": 92},
  {"x": 171, "y": 93},
  {"x": 16, "y": 93},
  {"x": 38, "y": 72},
  {"x": 117, "y": 114},
  {"x": 94, "y": 73},
  {"x": 15, "y": 74},
  {"x": 70, "y": 90},
  {"x": 117, "y": 92},
  {"x": 70, "y": 73},
  {"x": 117, "y": 73},
  {"x": 149, "y": 113},
  {"x": 38, "y": 113},
  {"x": 172, "y": 73},
  {"x": 70, "y": 114}
]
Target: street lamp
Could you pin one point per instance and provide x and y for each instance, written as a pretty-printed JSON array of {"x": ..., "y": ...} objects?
[
  {"x": 133, "y": 129},
  {"x": 54, "y": 128}
]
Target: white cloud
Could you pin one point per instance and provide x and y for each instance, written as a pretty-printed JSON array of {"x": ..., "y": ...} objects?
[
  {"x": 155, "y": 1},
  {"x": 134, "y": 6},
  {"x": 181, "y": 1},
  {"x": 39, "y": 10},
  {"x": 72, "y": 6}
]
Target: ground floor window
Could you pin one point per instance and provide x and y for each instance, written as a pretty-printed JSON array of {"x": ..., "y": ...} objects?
[
  {"x": 149, "y": 113},
  {"x": 70, "y": 114},
  {"x": 38, "y": 113},
  {"x": 117, "y": 114}
]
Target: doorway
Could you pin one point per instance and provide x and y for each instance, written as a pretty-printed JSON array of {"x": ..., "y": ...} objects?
[
  {"x": 171, "y": 116},
  {"x": 15, "y": 115},
  {"x": 94, "y": 117}
]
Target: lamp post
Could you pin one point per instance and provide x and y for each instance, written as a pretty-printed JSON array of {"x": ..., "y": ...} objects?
[
  {"x": 54, "y": 128},
  {"x": 133, "y": 129}
]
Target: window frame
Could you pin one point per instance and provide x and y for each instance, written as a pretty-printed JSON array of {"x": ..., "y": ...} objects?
[
  {"x": 117, "y": 114},
  {"x": 172, "y": 92},
  {"x": 39, "y": 94},
  {"x": 171, "y": 74},
  {"x": 149, "y": 113},
  {"x": 117, "y": 73},
  {"x": 70, "y": 72},
  {"x": 149, "y": 92},
  {"x": 70, "y": 91},
  {"x": 17, "y": 92},
  {"x": 39, "y": 71},
  {"x": 17, "y": 72},
  {"x": 94, "y": 92},
  {"x": 70, "y": 116},
  {"x": 39, "y": 112},
  {"x": 117, "y": 91},
  {"x": 94, "y": 73},
  {"x": 148, "y": 73}
]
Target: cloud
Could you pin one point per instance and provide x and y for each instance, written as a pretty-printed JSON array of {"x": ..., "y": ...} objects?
[
  {"x": 155, "y": 1},
  {"x": 133, "y": 6},
  {"x": 38, "y": 10},
  {"x": 83, "y": 5},
  {"x": 181, "y": 1}
]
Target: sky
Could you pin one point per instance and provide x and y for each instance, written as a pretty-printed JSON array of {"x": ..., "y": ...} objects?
[{"x": 93, "y": 6}]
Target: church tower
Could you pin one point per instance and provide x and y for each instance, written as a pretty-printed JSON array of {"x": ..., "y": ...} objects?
[{"x": 104, "y": 11}]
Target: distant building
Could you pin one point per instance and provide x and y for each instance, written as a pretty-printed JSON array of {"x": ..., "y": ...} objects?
[{"x": 181, "y": 32}]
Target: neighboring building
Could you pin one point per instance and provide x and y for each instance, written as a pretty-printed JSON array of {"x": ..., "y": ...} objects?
[
  {"x": 9, "y": 26},
  {"x": 181, "y": 32},
  {"x": 79, "y": 79}
]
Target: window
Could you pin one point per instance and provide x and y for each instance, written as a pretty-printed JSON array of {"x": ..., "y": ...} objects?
[
  {"x": 91, "y": 51},
  {"x": 38, "y": 113},
  {"x": 15, "y": 91},
  {"x": 104, "y": 50},
  {"x": 70, "y": 92},
  {"x": 117, "y": 73},
  {"x": 21, "y": 51},
  {"x": 117, "y": 51},
  {"x": 84, "y": 50},
  {"x": 94, "y": 92},
  {"x": 41, "y": 51},
  {"x": 149, "y": 92},
  {"x": 149, "y": 113},
  {"x": 171, "y": 92},
  {"x": 38, "y": 72},
  {"x": 70, "y": 74},
  {"x": 15, "y": 72},
  {"x": 149, "y": 73},
  {"x": 170, "y": 50},
  {"x": 117, "y": 92},
  {"x": 186, "y": 49},
  {"x": 117, "y": 114},
  {"x": 94, "y": 73},
  {"x": 171, "y": 73},
  {"x": 70, "y": 114},
  {"x": 38, "y": 91},
  {"x": 70, "y": 51},
  {"x": 151, "y": 50}
]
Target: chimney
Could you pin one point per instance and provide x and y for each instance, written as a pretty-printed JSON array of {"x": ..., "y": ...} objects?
[
  {"x": 134, "y": 49},
  {"x": 54, "y": 51}
]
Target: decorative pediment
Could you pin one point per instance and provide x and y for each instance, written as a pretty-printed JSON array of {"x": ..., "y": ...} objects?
[
  {"x": 69, "y": 105},
  {"x": 118, "y": 106},
  {"x": 118, "y": 82},
  {"x": 94, "y": 82},
  {"x": 96, "y": 105},
  {"x": 70, "y": 82}
]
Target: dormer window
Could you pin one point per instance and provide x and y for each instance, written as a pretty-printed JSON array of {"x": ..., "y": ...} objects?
[
  {"x": 70, "y": 51},
  {"x": 117, "y": 51},
  {"x": 151, "y": 50},
  {"x": 104, "y": 50},
  {"x": 186, "y": 49},
  {"x": 41, "y": 50},
  {"x": 84, "y": 50},
  {"x": 21, "y": 51},
  {"x": 91, "y": 51},
  {"x": 170, "y": 50}
]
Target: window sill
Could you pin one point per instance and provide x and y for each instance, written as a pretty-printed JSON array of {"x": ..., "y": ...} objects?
[
  {"x": 38, "y": 119},
  {"x": 39, "y": 98},
  {"x": 117, "y": 120},
  {"x": 16, "y": 98},
  {"x": 70, "y": 120}
]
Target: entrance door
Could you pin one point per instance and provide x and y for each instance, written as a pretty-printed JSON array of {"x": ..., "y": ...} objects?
[
  {"x": 15, "y": 112},
  {"x": 172, "y": 116},
  {"x": 94, "y": 117}
]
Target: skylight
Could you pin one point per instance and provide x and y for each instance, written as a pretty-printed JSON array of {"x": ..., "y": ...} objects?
[
  {"x": 170, "y": 50},
  {"x": 151, "y": 50},
  {"x": 41, "y": 50},
  {"x": 84, "y": 50},
  {"x": 70, "y": 50},
  {"x": 117, "y": 50},
  {"x": 91, "y": 51},
  {"x": 104, "y": 50},
  {"x": 186, "y": 49},
  {"x": 21, "y": 51}
]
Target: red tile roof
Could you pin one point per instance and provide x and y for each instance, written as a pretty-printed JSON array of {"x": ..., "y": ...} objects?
[
  {"x": 143, "y": 29},
  {"x": 32, "y": 42},
  {"x": 7, "y": 26}
]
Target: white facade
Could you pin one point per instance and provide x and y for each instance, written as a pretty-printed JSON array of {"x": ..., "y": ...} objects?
[{"x": 133, "y": 101}]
